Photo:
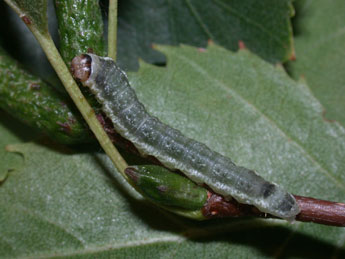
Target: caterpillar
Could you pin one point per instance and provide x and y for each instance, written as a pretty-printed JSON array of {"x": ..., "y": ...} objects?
[{"x": 202, "y": 165}]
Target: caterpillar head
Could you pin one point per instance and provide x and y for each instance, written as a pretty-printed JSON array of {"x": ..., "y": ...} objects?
[{"x": 81, "y": 67}]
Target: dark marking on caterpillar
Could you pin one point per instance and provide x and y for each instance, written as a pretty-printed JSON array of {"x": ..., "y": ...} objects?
[
  {"x": 198, "y": 162},
  {"x": 268, "y": 189}
]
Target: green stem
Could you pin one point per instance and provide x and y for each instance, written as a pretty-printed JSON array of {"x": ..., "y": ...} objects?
[
  {"x": 85, "y": 109},
  {"x": 112, "y": 29}
]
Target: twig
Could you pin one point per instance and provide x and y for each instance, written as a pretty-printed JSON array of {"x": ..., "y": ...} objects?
[
  {"x": 112, "y": 29},
  {"x": 312, "y": 210},
  {"x": 321, "y": 212}
]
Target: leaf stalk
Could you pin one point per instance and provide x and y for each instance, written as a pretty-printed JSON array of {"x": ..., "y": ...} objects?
[{"x": 112, "y": 29}]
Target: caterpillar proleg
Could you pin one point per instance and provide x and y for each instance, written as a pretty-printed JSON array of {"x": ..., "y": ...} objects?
[{"x": 198, "y": 162}]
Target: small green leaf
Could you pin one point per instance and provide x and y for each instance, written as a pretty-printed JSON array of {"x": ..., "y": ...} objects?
[
  {"x": 264, "y": 27},
  {"x": 320, "y": 56},
  {"x": 167, "y": 188}
]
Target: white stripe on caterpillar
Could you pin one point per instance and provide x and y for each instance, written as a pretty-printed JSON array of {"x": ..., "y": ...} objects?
[{"x": 199, "y": 163}]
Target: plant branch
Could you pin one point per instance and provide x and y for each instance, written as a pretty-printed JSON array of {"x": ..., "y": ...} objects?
[
  {"x": 112, "y": 29},
  {"x": 321, "y": 211},
  {"x": 312, "y": 210}
]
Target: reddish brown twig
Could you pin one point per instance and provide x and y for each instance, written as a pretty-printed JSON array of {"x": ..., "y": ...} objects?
[
  {"x": 312, "y": 210},
  {"x": 321, "y": 212}
]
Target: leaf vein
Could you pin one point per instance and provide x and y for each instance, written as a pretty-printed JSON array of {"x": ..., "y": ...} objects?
[
  {"x": 250, "y": 22},
  {"x": 34, "y": 214},
  {"x": 109, "y": 247},
  {"x": 199, "y": 20}
]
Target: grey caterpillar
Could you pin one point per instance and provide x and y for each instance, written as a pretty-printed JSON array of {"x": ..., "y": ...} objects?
[{"x": 152, "y": 137}]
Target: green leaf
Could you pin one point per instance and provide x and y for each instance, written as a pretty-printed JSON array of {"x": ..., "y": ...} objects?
[
  {"x": 252, "y": 112},
  {"x": 257, "y": 108},
  {"x": 264, "y": 27},
  {"x": 71, "y": 206},
  {"x": 63, "y": 204},
  {"x": 32, "y": 12},
  {"x": 320, "y": 56}
]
